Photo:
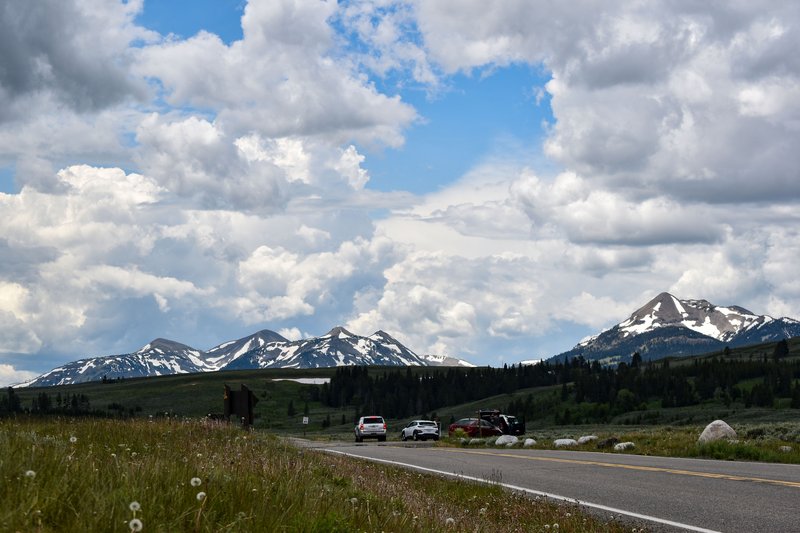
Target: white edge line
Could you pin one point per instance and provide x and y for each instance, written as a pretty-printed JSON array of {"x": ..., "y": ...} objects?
[{"x": 530, "y": 491}]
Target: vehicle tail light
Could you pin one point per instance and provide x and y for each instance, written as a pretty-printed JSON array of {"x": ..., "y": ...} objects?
[
  {"x": 361, "y": 426},
  {"x": 384, "y": 425}
]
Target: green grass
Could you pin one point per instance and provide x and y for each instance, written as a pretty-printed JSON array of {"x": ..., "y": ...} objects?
[
  {"x": 59, "y": 474},
  {"x": 755, "y": 442}
]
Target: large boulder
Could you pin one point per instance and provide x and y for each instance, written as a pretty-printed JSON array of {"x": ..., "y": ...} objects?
[
  {"x": 505, "y": 440},
  {"x": 717, "y": 430},
  {"x": 564, "y": 443},
  {"x": 622, "y": 446},
  {"x": 586, "y": 439},
  {"x": 529, "y": 442}
]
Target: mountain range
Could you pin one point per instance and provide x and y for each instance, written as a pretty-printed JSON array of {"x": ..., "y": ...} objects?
[
  {"x": 263, "y": 349},
  {"x": 667, "y": 326}
]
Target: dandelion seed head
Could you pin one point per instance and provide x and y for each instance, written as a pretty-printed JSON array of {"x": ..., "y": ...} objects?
[
  {"x": 135, "y": 524},
  {"x": 73, "y": 439},
  {"x": 30, "y": 473},
  {"x": 134, "y": 506},
  {"x": 354, "y": 500},
  {"x": 450, "y": 522},
  {"x": 196, "y": 481},
  {"x": 201, "y": 496}
]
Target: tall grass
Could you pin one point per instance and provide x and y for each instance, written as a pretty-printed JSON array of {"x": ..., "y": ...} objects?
[
  {"x": 770, "y": 443},
  {"x": 105, "y": 475}
]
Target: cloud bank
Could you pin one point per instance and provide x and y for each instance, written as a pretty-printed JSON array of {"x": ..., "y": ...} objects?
[{"x": 198, "y": 190}]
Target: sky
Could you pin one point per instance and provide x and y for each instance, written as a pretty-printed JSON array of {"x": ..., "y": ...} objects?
[{"x": 491, "y": 181}]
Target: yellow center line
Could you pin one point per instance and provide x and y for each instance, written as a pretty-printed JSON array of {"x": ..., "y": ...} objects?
[{"x": 676, "y": 471}]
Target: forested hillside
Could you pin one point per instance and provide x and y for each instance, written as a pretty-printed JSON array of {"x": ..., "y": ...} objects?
[{"x": 588, "y": 392}]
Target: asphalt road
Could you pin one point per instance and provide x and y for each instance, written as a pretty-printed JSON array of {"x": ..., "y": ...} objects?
[{"x": 667, "y": 494}]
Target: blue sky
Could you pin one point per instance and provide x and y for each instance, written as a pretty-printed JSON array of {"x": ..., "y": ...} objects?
[
  {"x": 486, "y": 181},
  {"x": 446, "y": 142},
  {"x": 185, "y": 18}
]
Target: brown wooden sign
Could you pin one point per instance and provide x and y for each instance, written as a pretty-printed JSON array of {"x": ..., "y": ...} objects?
[{"x": 240, "y": 403}]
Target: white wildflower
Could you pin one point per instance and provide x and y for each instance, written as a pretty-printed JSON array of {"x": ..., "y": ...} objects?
[
  {"x": 201, "y": 496},
  {"x": 135, "y": 524},
  {"x": 134, "y": 506},
  {"x": 195, "y": 482}
]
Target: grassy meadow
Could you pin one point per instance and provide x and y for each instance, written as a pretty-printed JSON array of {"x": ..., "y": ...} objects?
[
  {"x": 62, "y": 474},
  {"x": 756, "y": 442}
]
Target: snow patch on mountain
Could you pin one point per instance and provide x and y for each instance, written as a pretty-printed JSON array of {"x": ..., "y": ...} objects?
[
  {"x": 264, "y": 349},
  {"x": 667, "y": 325}
]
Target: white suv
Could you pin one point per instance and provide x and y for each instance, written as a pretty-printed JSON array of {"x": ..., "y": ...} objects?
[
  {"x": 370, "y": 427},
  {"x": 420, "y": 430}
]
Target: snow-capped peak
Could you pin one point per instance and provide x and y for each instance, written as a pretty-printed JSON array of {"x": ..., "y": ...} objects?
[
  {"x": 338, "y": 331},
  {"x": 720, "y": 323},
  {"x": 668, "y": 326}
]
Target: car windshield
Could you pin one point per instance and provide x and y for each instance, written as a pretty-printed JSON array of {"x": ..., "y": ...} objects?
[
  {"x": 427, "y": 423},
  {"x": 486, "y": 424},
  {"x": 373, "y": 420},
  {"x": 512, "y": 419}
]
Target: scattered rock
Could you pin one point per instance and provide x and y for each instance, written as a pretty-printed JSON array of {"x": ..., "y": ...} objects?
[
  {"x": 473, "y": 442},
  {"x": 607, "y": 443},
  {"x": 587, "y": 438},
  {"x": 717, "y": 430},
  {"x": 505, "y": 440},
  {"x": 622, "y": 446},
  {"x": 785, "y": 449},
  {"x": 561, "y": 443},
  {"x": 529, "y": 442}
]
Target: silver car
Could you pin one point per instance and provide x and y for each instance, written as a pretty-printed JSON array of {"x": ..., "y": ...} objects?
[
  {"x": 420, "y": 430},
  {"x": 370, "y": 427}
]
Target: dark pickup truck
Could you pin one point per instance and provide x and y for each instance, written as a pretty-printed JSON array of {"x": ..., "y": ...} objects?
[{"x": 508, "y": 424}]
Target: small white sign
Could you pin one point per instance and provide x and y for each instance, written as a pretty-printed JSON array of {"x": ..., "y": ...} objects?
[{"x": 305, "y": 420}]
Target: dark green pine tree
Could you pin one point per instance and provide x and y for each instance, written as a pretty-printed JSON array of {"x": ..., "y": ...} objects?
[
  {"x": 290, "y": 410},
  {"x": 781, "y": 350},
  {"x": 796, "y": 396}
]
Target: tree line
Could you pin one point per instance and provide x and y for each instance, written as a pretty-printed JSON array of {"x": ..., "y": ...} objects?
[
  {"x": 58, "y": 404},
  {"x": 596, "y": 393}
]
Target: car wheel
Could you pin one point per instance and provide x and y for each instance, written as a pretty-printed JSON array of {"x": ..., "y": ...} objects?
[
  {"x": 403, "y": 437},
  {"x": 416, "y": 436},
  {"x": 358, "y": 439},
  {"x": 382, "y": 439}
]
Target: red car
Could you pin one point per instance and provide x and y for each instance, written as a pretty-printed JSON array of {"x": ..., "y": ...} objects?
[{"x": 471, "y": 428}]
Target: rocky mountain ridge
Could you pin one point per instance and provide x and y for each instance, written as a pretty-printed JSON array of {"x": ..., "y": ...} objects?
[
  {"x": 263, "y": 349},
  {"x": 667, "y": 325}
]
